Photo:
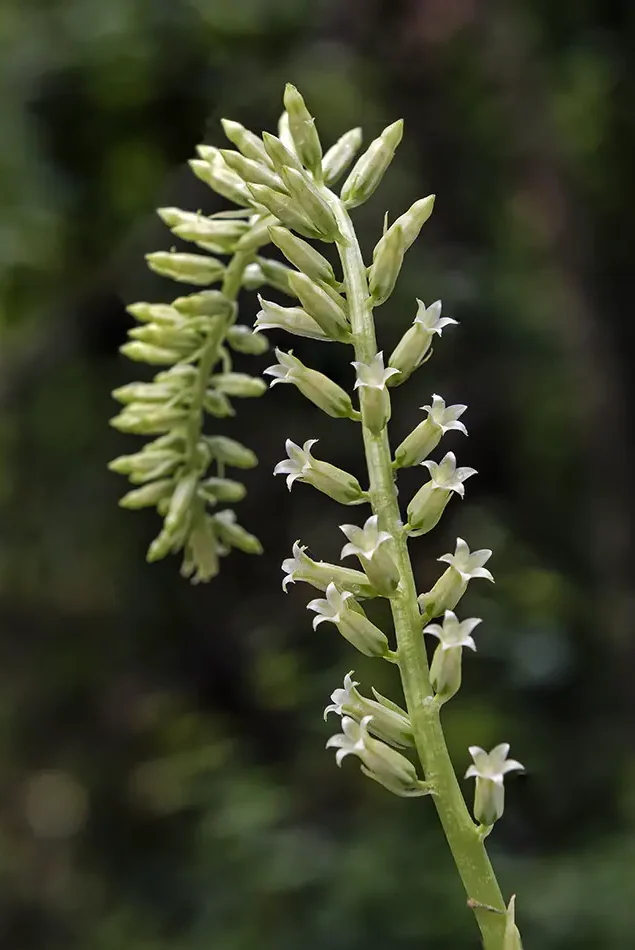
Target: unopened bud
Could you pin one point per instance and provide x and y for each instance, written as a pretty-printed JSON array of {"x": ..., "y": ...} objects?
[
  {"x": 319, "y": 304},
  {"x": 312, "y": 204},
  {"x": 149, "y": 495},
  {"x": 242, "y": 339},
  {"x": 284, "y": 208},
  {"x": 387, "y": 261},
  {"x": 303, "y": 132},
  {"x": 340, "y": 155},
  {"x": 413, "y": 220},
  {"x": 245, "y": 141},
  {"x": 223, "y": 181},
  {"x": 302, "y": 255},
  {"x": 145, "y": 353},
  {"x": 280, "y": 153},
  {"x": 276, "y": 274},
  {"x": 369, "y": 169},
  {"x": 189, "y": 268},
  {"x": 251, "y": 172},
  {"x": 231, "y": 452},
  {"x": 239, "y": 384},
  {"x": 234, "y": 535}
]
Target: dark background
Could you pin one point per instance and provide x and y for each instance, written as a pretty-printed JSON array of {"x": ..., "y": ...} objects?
[{"x": 164, "y": 784}]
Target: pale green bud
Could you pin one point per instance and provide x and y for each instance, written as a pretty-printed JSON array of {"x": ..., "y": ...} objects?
[
  {"x": 320, "y": 574},
  {"x": 218, "y": 176},
  {"x": 351, "y": 623},
  {"x": 144, "y": 462},
  {"x": 302, "y": 255},
  {"x": 369, "y": 169},
  {"x": 387, "y": 261},
  {"x": 181, "y": 502},
  {"x": 303, "y": 132},
  {"x": 389, "y": 722},
  {"x": 189, "y": 268},
  {"x": 415, "y": 344},
  {"x": 253, "y": 277},
  {"x": 427, "y": 435},
  {"x": 231, "y": 452},
  {"x": 292, "y": 319},
  {"x": 379, "y": 762},
  {"x": 339, "y": 156},
  {"x": 372, "y": 547},
  {"x": 450, "y": 587},
  {"x": 257, "y": 235},
  {"x": 147, "y": 419},
  {"x": 245, "y": 141},
  {"x": 217, "y": 404},
  {"x": 196, "y": 227},
  {"x": 413, "y": 220},
  {"x": 162, "y": 313},
  {"x": 280, "y": 153},
  {"x": 200, "y": 562},
  {"x": 242, "y": 339},
  {"x": 319, "y": 304},
  {"x": 223, "y": 489},
  {"x": 375, "y": 399},
  {"x": 251, "y": 172},
  {"x": 233, "y": 535},
  {"x": 145, "y": 353},
  {"x": 327, "y": 478},
  {"x": 149, "y": 495},
  {"x": 317, "y": 387},
  {"x": 312, "y": 204},
  {"x": 427, "y": 506},
  {"x": 276, "y": 274},
  {"x": 284, "y": 208},
  {"x": 239, "y": 384},
  {"x": 511, "y": 940},
  {"x": 489, "y": 770},
  {"x": 144, "y": 392},
  {"x": 170, "y": 338},
  {"x": 206, "y": 303}
]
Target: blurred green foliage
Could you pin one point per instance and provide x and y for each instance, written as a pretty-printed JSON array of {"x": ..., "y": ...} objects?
[{"x": 164, "y": 779}]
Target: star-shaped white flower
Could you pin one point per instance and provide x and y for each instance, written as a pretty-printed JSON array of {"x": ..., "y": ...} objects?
[
  {"x": 446, "y": 476},
  {"x": 286, "y": 369},
  {"x": 445, "y": 417},
  {"x": 352, "y": 740},
  {"x": 330, "y": 608},
  {"x": 452, "y": 633},
  {"x": 299, "y": 462},
  {"x": 365, "y": 541},
  {"x": 291, "y": 565},
  {"x": 343, "y": 697},
  {"x": 467, "y": 564},
  {"x": 373, "y": 375},
  {"x": 492, "y": 766},
  {"x": 430, "y": 317}
]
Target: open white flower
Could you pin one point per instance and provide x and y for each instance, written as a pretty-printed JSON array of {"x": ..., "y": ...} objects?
[
  {"x": 317, "y": 387},
  {"x": 447, "y": 476},
  {"x": 489, "y": 769},
  {"x": 454, "y": 634},
  {"x": 450, "y": 587},
  {"x": 327, "y": 478},
  {"x": 300, "y": 567},
  {"x": 299, "y": 462},
  {"x": 427, "y": 506},
  {"x": 341, "y": 608},
  {"x": 430, "y": 319},
  {"x": 370, "y": 545},
  {"x": 373, "y": 375},
  {"x": 468, "y": 564},
  {"x": 389, "y": 722},
  {"x": 427, "y": 435},
  {"x": 379, "y": 762}
]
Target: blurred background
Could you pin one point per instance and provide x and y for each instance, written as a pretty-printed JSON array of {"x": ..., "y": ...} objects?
[{"x": 164, "y": 783}]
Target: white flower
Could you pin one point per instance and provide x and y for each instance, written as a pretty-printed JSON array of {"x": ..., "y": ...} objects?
[
  {"x": 373, "y": 375},
  {"x": 300, "y": 567},
  {"x": 327, "y": 478},
  {"x": 453, "y": 634},
  {"x": 427, "y": 435},
  {"x": 389, "y": 722},
  {"x": 369, "y": 545},
  {"x": 430, "y": 317},
  {"x": 379, "y": 762},
  {"x": 468, "y": 565},
  {"x": 317, "y": 387},
  {"x": 341, "y": 608},
  {"x": 447, "y": 476},
  {"x": 445, "y": 416},
  {"x": 286, "y": 369},
  {"x": 492, "y": 766},
  {"x": 299, "y": 462},
  {"x": 331, "y": 608},
  {"x": 293, "y": 565}
]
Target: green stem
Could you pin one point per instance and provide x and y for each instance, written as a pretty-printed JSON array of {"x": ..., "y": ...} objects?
[
  {"x": 211, "y": 351},
  {"x": 463, "y": 836}
]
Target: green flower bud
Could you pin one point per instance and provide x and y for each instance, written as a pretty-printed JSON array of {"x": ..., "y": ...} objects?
[
  {"x": 145, "y": 466},
  {"x": 239, "y": 384},
  {"x": 217, "y": 404},
  {"x": 372, "y": 379},
  {"x": 154, "y": 313},
  {"x": 276, "y": 275},
  {"x": 181, "y": 502},
  {"x": 292, "y": 319},
  {"x": 303, "y": 132},
  {"x": 144, "y": 353},
  {"x": 413, "y": 220},
  {"x": 280, "y": 153},
  {"x": 143, "y": 392},
  {"x": 284, "y": 208},
  {"x": 511, "y": 940},
  {"x": 257, "y": 235},
  {"x": 387, "y": 261},
  {"x": 217, "y": 175},
  {"x": 189, "y": 268},
  {"x": 319, "y": 304},
  {"x": 389, "y": 722},
  {"x": 327, "y": 478},
  {"x": 223, "y": 489},
  {"x": 245, "y": 141},
  {"x": 369, "y": 169},
  {"x": 427, "y": 435},
  {"x": 231, "y": 452},
  {"x": 251, "y": 172},
  {"x": 312, "y": 204},
  {"x": 302, "y": 255},
  {"x": 200, "y": 562},
  {"x": 242, "y": 339},
  {"x": 379, "y": 762},
  {"x": 148, "y": 419},
  {"x": 351, "y": 623},
  {"x": 253, "y": 277},
  {"x": 320, "y": 574},
  {"x": 413, "y": 347},
  {"x": 489, "y": 770},
  {"x": 196, "y": 227},
  {"x": 317, "y": 387},
  {"x": 233, "y": 535},
  {"x": 170, "y": 338},
  {"x": 427, "y": 506},
  {"x": 149, "y": 495},
  {"x": 206, "y": 303},
  {"x": 339, "y": 156}
]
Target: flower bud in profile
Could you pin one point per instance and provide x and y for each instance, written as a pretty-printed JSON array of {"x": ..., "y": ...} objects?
[
  {"x": 427, "y": 506},
  {"x": 321, "y": 306},
  {"x": 251, "y": 172},
  {"x": 322, "y": 391},
  {"x": 371, "y": 380},
  {"x": 489, "y": 770},
  {"x": 327, "y": 478},
  {"x": 302, "y": 255},
  {"x": 149, "y": 495},
  {"x": 387, "y": 261},
  {"x": 189, "y": 268},
  {"x": 351, "y": 622},
  {"x": 285, "y": 208},
  {"x": 306, "y": 140},
  {"x": 312, "y": 204},
  {"x": 233, "y": 535},
  {"x": 230, "y": 452},
  {"x": 239, "y": 384},
  {"x": 281, "y": 152},
  {"x": 411, "y": 222},
  {"x": 427, "y": 435},
  {"x": 200, "y": 561},
  {"x": 340, "y": 155},
  {"x": 242, "y": 339},
  {"x": 215, "y": 173},
  {"x": 245, "y": 141},
  {"x": 369, "y": 169},
  {"x": 415, "y": 344}
]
